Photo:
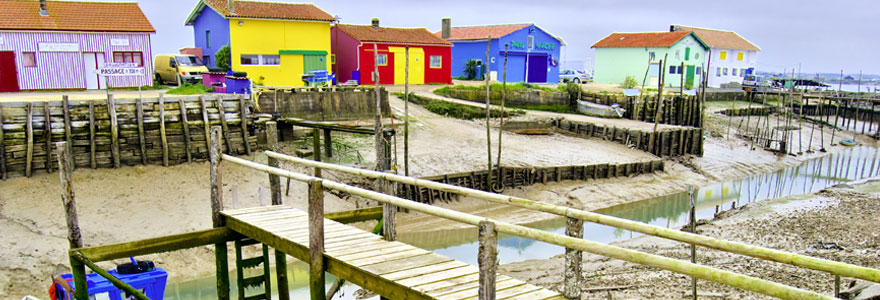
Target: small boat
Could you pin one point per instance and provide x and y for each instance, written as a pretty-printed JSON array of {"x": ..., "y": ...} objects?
[
  {"x": 141, "y": 275},
  {"x": 848, "y": 142},
  {"x": 595, "y": 109}
]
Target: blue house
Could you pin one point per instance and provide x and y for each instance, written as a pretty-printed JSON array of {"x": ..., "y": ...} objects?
[{"x": 531, "y": 50}]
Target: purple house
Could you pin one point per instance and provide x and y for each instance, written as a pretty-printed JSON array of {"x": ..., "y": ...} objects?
[{"x": 62, "y": 45}]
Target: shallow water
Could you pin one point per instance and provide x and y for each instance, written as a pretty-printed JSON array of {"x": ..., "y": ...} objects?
[{"x": 669, "y": 211}]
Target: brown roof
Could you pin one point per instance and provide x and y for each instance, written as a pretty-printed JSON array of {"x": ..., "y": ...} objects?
[
  {"x": 720, "y": 38},
  {"x": 74, "y": 16},
  {"x": 366, "y": 33},
  {"x": 641, "y": 39},
  {"x": 481, "y": 32},
  {"x": 270, "y": 10}
]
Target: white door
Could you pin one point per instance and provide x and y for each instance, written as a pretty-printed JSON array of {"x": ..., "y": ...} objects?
[{"x": 91, "y": 63}]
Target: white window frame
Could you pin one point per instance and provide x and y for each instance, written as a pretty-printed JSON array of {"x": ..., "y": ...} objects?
[
  {"x": 439, "y": 61},
  {"x": 380, "y": 58},
  {"x": 259, "y": 58}
]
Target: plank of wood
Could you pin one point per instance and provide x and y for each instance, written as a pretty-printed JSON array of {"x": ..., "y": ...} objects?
[
  {"x": 347, "y": 249},
  {"x": 30, "y": 140},
  {"x": 388, "y": 257},
  {"x": 205, "y": 120},
  {"x": 242, "y": 112},
  {"x": 92, "y": 149},
  {"x": 469, "y": 291},
  {"x": 114, "y": 131},
  {"x": 3, "y": 155},
  {"x": 68, "y": 135},
  {"x": 224, "y": 126},
  {"x": 439, "y": 276},
  {"x": 186, "y": 133},
  {"x": 139, "y": 106},
  {"x": 425, "y": 264},
  {"x": 375, "y": 252},
  {"x": 247, "y": 210},
  {"x": 47, "y": 126},
  {"x": 162, "y": 134},
  {"x": 447, "y": 286}
]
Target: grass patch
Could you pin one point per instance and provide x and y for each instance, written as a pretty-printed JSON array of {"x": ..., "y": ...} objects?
[
  {"x": 190, "y": 89},
  {"x": 557, "y": 108},
  {"x": 519, "y": 86},
  {"x": 456, "y": 110}
]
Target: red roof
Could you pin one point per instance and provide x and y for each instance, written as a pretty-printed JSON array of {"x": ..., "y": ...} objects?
[
  {"x": 268, "y": 10},
  {"x": 366, "y": 33},
  {"x": 720, "y": 38},
  {"x": 641, "y": 39},
  {"x": 481, "y": 32},
  {"x": 74, "y": 16}
]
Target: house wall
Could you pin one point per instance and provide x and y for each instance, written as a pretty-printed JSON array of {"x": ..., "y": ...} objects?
[
  {"x": 516, "y": 61},
  {"x": 66, "y": 70},
  {"x": 716, "y": 78},
  {"x": 462, "y": 51},
  {"x": 270, "y": 37},
  {"x": 613, "y": 64},
  {"x": 442, "y": 74},
  {"x": 346, "y": 50},
  {"x": 219, "y": 27},
  {"x": 367, "y": 63}
]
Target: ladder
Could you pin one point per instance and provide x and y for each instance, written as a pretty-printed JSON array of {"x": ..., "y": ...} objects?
[{"x": 252, "y": 262}]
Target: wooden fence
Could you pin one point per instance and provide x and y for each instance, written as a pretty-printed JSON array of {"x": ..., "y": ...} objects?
[
  {"x": 107, "y": 133},
  {"x": 685, "y": 111},
  {"x": 515, "y": 176},
  {"x": 666, "y": 143}
]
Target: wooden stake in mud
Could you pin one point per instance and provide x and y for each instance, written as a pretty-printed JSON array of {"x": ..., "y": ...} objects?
[
  {"x": 29, "y": 126},
  {"x": 693, "y": 221},
  {"x": 488, "y": 115},
  {"x": 316, "y": 149},
  {"x": 220, "y": 256},
  {"x": 74, "y": 236},
  {"x": 222, "y": 113},
  {"x": 205, "y": 120},
  {"x": 114, "y": 130},
  {"x": 185, "y": 123},
  {"x": 406, "y": 114},
  {"x": 47, "y": 126},
  {"x": 380, "y": 147},
  {"x": 573, "y": 260},
  {"x": 242, "y": 113},
  {"x": 68, "y": 135},
  {"x": 501, "y": 123},
  {"x": 837, "y": 108},
  {"x": 139, "y": 111},
  {"x": 275, "y": 189},
  {"x": 162, "y": 134},
  {"x": 316, "y": 240},
  {"x": 92, "y": 159},
  {"x": 659, "y": 106},
  {"x": 487, "y": 259}
]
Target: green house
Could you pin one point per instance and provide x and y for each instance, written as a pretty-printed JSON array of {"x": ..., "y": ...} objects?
[{"x": 633, "y": 54}]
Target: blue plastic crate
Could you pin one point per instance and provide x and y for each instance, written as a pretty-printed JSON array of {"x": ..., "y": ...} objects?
[{"x": 151, "y": 283}]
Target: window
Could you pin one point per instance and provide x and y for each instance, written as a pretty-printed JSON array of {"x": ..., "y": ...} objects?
[
  {"x": 740, "y": 55},
  {"x": 671, "y": 69},
  {"x": 733, "y": 72},
  {"x": 531, "y": 41},
  {"x": 678, "y": 54},
  {"x": 697, "y": 55},
  {"x": 270, "y": 60},
  {"x": 128, "y": 57},
  {"x": 186, "y": 60},
  {"x": 718, "y": 72},
  {"x": 725, "y": 71},
  {"x": 723, "y": 55},
  {"x": 699, "y": 71},
  {"x": 742, "y": 72},
  {"x": 332, "y": 58},
  {"x": 653, "y": 55},
  {"x": 382, "y": 59},
  {"x": 28, "y": 59},
  {"x": 436, "y": 62},
  {"x": 206, "y": 59},
  {"x": 250, "y": 59},
  {"x": 207, "y": 39}
]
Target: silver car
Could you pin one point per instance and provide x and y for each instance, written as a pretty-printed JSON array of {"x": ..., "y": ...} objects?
[{"x": 574, "y": 76}]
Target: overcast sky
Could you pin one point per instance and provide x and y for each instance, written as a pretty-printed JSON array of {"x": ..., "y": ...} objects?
[{"x": 822, "y": 36}]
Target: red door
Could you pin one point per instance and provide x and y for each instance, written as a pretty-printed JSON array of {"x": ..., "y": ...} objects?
[{"x": 8, "y": 75}]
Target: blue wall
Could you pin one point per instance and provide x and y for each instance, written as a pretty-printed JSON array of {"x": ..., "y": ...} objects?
[
  {"x": 546, "y": 48},
  {"x": 219, "y": 27}
]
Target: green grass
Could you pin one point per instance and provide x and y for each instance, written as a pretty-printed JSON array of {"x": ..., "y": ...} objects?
[
  {"x": 190, "y": 89},
  {"x": 557, "y": 108},
  {"x": 519, "y": 86},
  {"x": 456, "y": 110}
]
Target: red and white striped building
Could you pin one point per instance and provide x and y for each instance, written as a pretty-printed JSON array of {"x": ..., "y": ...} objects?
[{"x": 61, "y": 45}]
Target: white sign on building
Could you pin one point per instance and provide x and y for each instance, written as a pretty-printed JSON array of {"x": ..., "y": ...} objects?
[
  {"x": 120, "y": 71},
  {"x": 58, "y": 47},
  {"x": 118, "y": 42}
]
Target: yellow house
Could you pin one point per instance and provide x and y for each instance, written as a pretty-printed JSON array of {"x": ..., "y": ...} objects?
[{"x": 275, "y": 43}]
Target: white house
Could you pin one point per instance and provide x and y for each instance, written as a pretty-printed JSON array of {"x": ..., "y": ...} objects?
[{"x": 732, "y": 56}]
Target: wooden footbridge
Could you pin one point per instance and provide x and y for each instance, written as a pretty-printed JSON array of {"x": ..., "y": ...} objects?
[{"x": 398, "y": 271}]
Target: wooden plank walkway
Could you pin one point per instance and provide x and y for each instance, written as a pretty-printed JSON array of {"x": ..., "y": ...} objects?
[{"x": 392, "y": 269}]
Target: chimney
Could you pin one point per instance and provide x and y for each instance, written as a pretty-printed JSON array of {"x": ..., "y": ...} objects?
[
  {"x": 230, "y": 6},
  {"x": 43, "y": 10},
  {"x": 674, "y": 28},
  {"x": 375, "y": 22},
  {"x": 446, "y": 28}
]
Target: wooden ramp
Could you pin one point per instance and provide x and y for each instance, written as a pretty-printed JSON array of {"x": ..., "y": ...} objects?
[{"x": 392, "y": 269}]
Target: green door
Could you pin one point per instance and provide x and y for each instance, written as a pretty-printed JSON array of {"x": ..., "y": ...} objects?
[
  {"x": 689, "y": 81},
  {"x": 314, "y": 62}
]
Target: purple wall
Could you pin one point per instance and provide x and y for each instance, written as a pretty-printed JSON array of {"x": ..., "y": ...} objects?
[
  {"x": 219, "y": 27},
  {"x": 346, "y": 54},
  {"x": 65, "y": 70}
]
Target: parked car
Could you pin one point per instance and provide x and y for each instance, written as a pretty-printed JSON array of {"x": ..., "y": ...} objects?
[
  {"x": 179, "y": 68},
  {"x": 756, "y": 83},
  {"x": 574, "y": 76}
]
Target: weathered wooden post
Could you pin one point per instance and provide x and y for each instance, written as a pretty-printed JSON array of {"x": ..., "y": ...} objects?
[
  {"x": 47, "y": 127},
  {"x": 29, "y": 127},
  {"x": 487, "y": 259},
  {"x": 316, "y": 149},
  {"x": 139, "y": 111},
  {"x": 220, "y": 255},
  {"x": 271, "y": 135},
  {"x": 405, "y": 115},
  {"x": 74, "y": 237},
  {"x": 389, "y": 211},
  {"x": 3, "y": 159},
  {"x": 488, "y": 116},
  {"x": 573, "y": 258},
  {"x": 316, "y": 239},
  {"x": 92, "y": 161},
  {"x": 242, "y": 113},
  {"x": 275, "y": 187},
  {"x": 162, "y": 135},
  {"x": 114, "y": 130},
  {"x": 186, "y": 133},
  {"x": 65, "y": 107},
  {"x": 328, "y": 143},
  {"x": 693, "y": 221}
]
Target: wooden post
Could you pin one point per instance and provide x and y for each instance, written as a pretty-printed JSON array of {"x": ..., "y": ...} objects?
[
  {"x": 47, "y": 126},
  {"x": 205, "y": 120},
  {"x": 377, "y": 126},
  {"x": 222, "y": 114},
  {"x": 573, "y": 260},
  {"x": 280, "y": 257},
  {"x": 316, "y": 149},
  {"x": 693, "y": 221},
  {"x": 316, "y": 240},
  {"x": 92, "y": 159},
  {"x": 68, "y": 135},
  {"x": 222, "y": 263},
  {"x": 185, "y": 123},
  {"x": 114, "y": 131},
  {"x": 3, "y": 156},
  {"x": 242, "y": 113},
  {"x": 487, "y": 259},
  {"x": 659, "y": 105},
  {"x": 328, "y": 143},
  {"x": 140, "y": 120},
  {"x": 162, "y": 134},
  {"x": 30, "y": 140},
  {"x": 74, "y": 236},
  {"x": 406, "y": 115},
  {"x": 488, "y": 116}
]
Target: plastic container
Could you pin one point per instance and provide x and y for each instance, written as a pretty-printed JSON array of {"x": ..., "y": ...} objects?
[{"x": 151, "y": 283}]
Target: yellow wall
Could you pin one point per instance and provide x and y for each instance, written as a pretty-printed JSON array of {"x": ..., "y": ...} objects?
[{"x": 270, "y": 36}]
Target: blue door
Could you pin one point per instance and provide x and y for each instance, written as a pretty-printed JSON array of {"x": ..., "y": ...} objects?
[{"x": 537, "y": 68}]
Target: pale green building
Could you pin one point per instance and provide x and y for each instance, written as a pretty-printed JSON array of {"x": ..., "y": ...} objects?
[{"x": 632, "y": 54}]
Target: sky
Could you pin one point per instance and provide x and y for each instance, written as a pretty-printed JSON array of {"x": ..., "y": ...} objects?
[{"x": 814, "y": 36}]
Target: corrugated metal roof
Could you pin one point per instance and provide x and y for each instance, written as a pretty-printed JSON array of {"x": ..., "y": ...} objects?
[{"x": 74, "y": 16}]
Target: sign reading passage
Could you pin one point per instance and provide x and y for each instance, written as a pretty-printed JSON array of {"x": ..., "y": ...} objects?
[{"x": 121, "y": 69}]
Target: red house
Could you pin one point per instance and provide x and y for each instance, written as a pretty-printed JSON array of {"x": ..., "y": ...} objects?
[{"x": 430, "y": 57}]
